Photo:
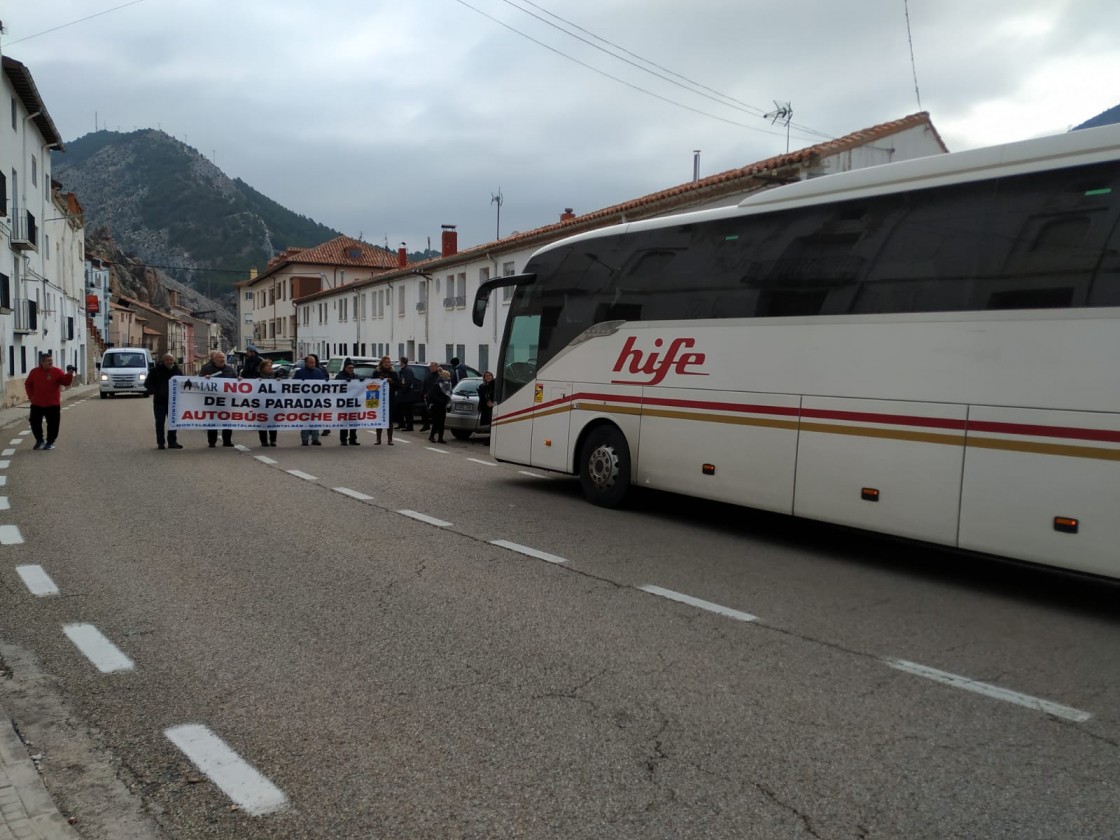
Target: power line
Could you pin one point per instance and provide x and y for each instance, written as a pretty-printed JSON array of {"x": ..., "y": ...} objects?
[
  {"x": 609, "y": 76},
  {"x": 711, "y": 94},
  {"x": 71, "y": 23}
]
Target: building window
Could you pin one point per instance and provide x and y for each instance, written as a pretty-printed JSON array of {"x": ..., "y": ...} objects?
[
  {"x": 34, "y": 171},
  {"x": 450, "y": 348},
  {"x": 15, "y": 124},
  {"x": 249, "y": 296},
  {"x": 508, "y": 270},
  {"x": 400, "y": 304},
  {"x": 483, "y": 357}
]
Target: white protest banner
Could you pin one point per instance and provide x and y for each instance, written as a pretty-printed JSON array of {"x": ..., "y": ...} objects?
[{"x": 200, "y": 403}]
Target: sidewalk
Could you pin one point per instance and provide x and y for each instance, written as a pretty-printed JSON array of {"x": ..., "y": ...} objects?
[{"x": 26, "y": 809}]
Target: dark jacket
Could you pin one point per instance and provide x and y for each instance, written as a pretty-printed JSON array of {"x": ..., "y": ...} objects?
[
  {"x": 485, "y": 395},
  {"x": 311, "y": 373},
  {"x": 439, "y": 392},
  {"x": 252, "y": 367},
  {"x": 410, "y": 388},
  {"x": 390, "y": 376},
  {"x": 211, "y": 369},
  {"x": 159, "y": 381},
  {"x": 347, "y": 377}
]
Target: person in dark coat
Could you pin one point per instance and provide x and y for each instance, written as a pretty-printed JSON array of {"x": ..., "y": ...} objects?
[
  {"x": 158, "y": 384},
  {"x": 486, "y": 399},
  {"x": 406, "y": 396},
  {"x": 264, "y": 371},
  {"x": 458, "y": 372},
  {"x": 385, "y": 372},
  {"x": 217, "y": 368},
  {"x": 348, "y": 436},
  {"x": 431, "y": 378},
  {"x": 252, "y": 365},
  {"x": 438, "y": 398},
  {"x": 310, "y": 370}
]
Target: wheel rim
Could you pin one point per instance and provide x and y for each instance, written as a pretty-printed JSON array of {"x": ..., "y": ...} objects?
[{"x": 602, "y": 467}]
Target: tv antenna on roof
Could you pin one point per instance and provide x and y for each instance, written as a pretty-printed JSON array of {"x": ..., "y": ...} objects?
[
  {"x": 498, "y": 199},
  {"x": 783, "y": 112}
]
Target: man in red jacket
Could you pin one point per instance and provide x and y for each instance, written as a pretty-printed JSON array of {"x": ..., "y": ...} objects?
[{"x": 44, "y": 389}]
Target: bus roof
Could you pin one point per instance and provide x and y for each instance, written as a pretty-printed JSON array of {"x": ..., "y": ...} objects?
[{"x": 1074, "y": 148}]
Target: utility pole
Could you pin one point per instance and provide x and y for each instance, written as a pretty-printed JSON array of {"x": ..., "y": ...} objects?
[{"x": 498, "y": 199}]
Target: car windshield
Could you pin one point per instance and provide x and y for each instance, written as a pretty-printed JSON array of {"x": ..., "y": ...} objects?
[
  {"x": 467, "y": 387},
  {"x": 123, "y": 360}
]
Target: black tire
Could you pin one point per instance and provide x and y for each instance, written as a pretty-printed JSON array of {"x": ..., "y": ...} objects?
[
  {"x": 460, "y": 434},
  {"x": 104, "y": 395},
  {"x": 604, "y": 467}
]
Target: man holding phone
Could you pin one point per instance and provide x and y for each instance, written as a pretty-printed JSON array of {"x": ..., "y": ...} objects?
[{"x": 44, "y": 389}]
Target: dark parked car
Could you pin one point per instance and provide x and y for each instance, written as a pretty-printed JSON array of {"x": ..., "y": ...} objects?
[
  {"x": 420, "y": 371},
  {"x": 463, "y": 418}
]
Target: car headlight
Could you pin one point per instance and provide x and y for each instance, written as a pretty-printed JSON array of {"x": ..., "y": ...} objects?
[
  {"x": 104, "y": 377},
  {"x": 143, "y": 376}
]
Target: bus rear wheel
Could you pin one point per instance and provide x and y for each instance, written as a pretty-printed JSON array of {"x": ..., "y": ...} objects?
[{"x": 605, "y": 467}]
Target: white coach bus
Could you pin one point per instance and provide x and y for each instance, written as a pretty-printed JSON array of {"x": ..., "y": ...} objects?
[{"x": 929, "y": 349}]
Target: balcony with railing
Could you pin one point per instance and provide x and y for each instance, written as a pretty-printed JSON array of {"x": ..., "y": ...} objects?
[
  {"x": 27, "y": 316},
  {"x": 449, "y": 303},
  {"x": 25, "y": 233}
]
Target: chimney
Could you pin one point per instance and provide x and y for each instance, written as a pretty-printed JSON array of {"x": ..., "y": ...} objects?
[
  {"x": 402, "y": 256},
  {"x": 450, "y": 241},
  {"x": 567, "y": 215}
]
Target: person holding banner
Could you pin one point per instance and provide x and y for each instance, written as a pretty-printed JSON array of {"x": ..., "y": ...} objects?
[
  {"x": 348, "y": 436},
  {"x": 157, "y": 385},
  {"x": 438, "y": 398},
  {"x": 217, "y": 368},
  {"x": 310, "y": 370},
  {"x": 385, "y": 371},
  {"x": 263, "y": 371}
]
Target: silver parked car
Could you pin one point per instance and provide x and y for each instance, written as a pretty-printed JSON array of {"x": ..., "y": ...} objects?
[{"x": 462, "y": 414}]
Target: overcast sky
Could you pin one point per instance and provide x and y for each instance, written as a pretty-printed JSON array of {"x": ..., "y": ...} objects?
[{"x": 388, "y": 119}]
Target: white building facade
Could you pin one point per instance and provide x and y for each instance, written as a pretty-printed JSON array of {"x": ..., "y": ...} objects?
[
  {"x": 423, "y": 310},
  {"x": 42, "y": 302}
]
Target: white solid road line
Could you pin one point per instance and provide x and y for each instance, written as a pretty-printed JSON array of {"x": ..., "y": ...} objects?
[
  {"x": 105, "y": 656},
  {"x": 435, "y": 449},
  {"x": 8, "y": 452},
  {"x": 484, "y": 463},
  {"x": 431, "y": 520},
  {"x": 353, "y": 494},
  {"x": 37, "y": 581},
  {"x": 531, "y": 552},
  {"x": 303, "y": 475},
  {"x": 252, "y": 792},
  {"x": 989, "y": 690},
  {"x": 9, "y": 534},
  {"x": 264, "y": 459},
  {"x": 696, "y": 602}
]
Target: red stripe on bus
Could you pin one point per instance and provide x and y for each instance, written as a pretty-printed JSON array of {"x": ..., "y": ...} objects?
[{"x": 1023, "y": 429}]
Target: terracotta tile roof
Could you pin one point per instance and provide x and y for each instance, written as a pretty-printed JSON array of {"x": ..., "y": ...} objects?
[
  {"x": 342, "y": 251},
  {"x": 775, "y": 170}
]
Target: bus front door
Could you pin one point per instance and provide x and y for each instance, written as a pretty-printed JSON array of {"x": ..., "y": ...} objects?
[{"x": 551, "y": 423}]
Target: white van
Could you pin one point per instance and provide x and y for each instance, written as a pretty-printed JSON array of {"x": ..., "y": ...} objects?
[{"x": 124, "y": 371}]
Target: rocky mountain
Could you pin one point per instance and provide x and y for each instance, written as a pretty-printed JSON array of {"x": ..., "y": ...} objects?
[
  {"x": 168, "y": 207},
  {"x": 134, "y": 279}
]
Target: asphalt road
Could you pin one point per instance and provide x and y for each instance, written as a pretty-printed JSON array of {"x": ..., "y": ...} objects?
[{"x": 376, "y": 675}]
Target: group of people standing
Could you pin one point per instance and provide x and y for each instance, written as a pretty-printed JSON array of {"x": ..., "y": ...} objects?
[{"x": 433, "y": 394}]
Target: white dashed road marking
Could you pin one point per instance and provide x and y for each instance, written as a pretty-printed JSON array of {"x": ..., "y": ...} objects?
[
  {"x": 4, "y": 504},
  {"x": 5, "y": 464},
  {"x": 105, "y": 656},
  {"x": 990, "y": 690},
  {"x": 3, "y": 480},
  {"x": 484, "y": 463},
  {"x": 8, "y": 452},
  {"x": 303, "y": 475},
  {"x": 353, "y": 494},
  {"x": 431, "y": 520},
  {"x": 9, "y": 534},
  {"x": 16, "y": 441},
  {"x": 531, "y": 552},
  {"x": 696, "y": 602},
  {"x": 240, "y": 447},
  {"x": 25, "y": 432},
  {"x": 530, "y": 474},
  {"x": 264, "y": 459},
  {"x": 37, "y": 581},
  {"x": 435, "y": 449},
  {"x": 241, "y": 782}
]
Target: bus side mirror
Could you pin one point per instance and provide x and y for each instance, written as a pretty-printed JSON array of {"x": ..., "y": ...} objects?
[{"x": 478, "y": 313}]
